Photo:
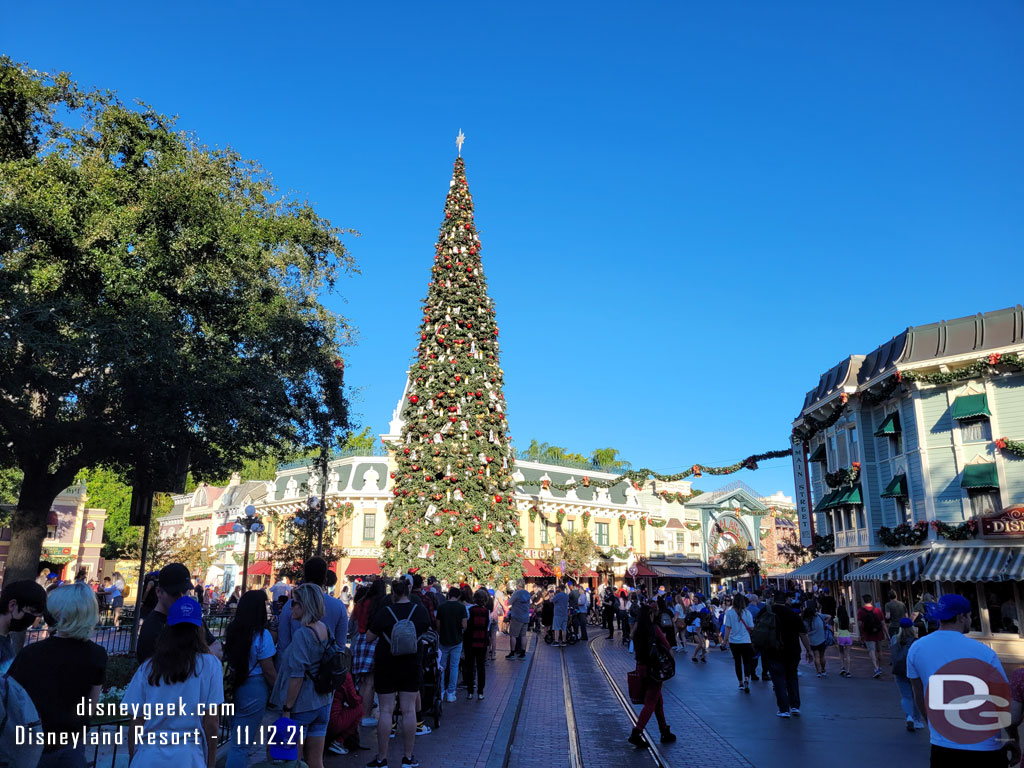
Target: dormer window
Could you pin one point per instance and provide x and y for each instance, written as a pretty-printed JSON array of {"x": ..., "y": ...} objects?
[{"x": 972, "y": 414}]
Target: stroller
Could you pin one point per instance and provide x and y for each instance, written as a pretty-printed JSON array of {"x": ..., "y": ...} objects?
[{"x": 432, "y": 689}]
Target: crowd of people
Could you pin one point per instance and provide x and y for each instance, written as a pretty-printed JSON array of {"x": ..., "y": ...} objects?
[{"x": 299, "y": 658}]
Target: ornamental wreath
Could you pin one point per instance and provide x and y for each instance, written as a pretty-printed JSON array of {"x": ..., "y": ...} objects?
[
  {"x": 586, "y": 518},
  {"x": 843, "y": 477},
  {"x": 904, "y": 534},
  {"x": 822, "y": 545},
  {"x": 959, "y": 532}
]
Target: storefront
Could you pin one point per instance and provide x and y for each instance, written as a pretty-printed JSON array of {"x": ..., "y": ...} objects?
[
  {"x": 898, "y": 571},
  {"x": 674, "y": 575}
]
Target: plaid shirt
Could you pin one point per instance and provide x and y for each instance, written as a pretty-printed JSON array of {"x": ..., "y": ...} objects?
[{"x": 362, "y": 655}]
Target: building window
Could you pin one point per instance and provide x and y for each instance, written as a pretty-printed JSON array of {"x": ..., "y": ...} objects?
[
  {"x": 543, "y": 532},
  {"x": 975, "y": 430},
  {"x": 629, "y": 538},
  {"x": 854, "y": 445},
  {"x": 88, "y": 535},
  {"x": 984, "y": 502},
  {"x": 902, "y": 510},
  {"x": 694, "y": 545},
  {"x": 896, "y": 444},
  {"x": 833, "y": 453},
  {"x": 601, "y": 534},
  {"x": 51, "y": 532},
  {"x": 369, "y": 527},
  {"x": 570, "y": 525},
  {"x": 1001, "y": 599}
]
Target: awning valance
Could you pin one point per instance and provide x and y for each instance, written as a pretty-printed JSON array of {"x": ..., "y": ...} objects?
[
  {"x": 537, "y": 569},
  {"x": 823, "y": 568},
  {"x": 970, "y": 406},
  {"x": 818, "y": 454},
  {"x": 642, "y": 571},
  {"x": 980, "y": 476},
  {"x": 362, "y": 566},
  {"x": 825, "y": 501},
  {"x": 897, "y": 488},
  {"x": 890, "y": 425},
  {"x": 975, "y": 564},
  {"x": 680, "y": 572},
  {"x": 900, "y": 565},
  {"x": 849, "y": 495},
  {"x": 260, "y": 568},
  {"x": 226, "y": 530}
]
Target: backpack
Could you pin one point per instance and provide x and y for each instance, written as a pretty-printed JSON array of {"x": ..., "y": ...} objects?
[
  {"x": 872, "y": 624},
  {"x": 830, "y": 636},
  {"x": 403, "y": 639},
  {"x": 665, "y": 619},
  {"x": 335, "y": 663},
  {"x": 661, "y": 665},
  {"x": 899, "y": 658},
  {"x": 18, "y": 750},
  {"x": 765, "y": 635}
]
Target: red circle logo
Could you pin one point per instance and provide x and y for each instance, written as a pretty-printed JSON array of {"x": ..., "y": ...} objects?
[{"x": 967, "y": 701}]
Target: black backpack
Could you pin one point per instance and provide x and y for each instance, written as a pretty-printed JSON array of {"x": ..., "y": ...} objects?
[
  {"x": 334, "y": 666},
  {"x": 661, "y": 665},
  {"x": 765, "y": 636},
  {"x": 872, "y": 624}
]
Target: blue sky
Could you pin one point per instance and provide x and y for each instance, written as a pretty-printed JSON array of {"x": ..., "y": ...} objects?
[{"x": 689, "y": 211}]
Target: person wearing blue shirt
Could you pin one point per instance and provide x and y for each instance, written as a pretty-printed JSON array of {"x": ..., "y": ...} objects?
[
  {"x": 519, "y": 618},
  {"x": 335, "y": 614}
]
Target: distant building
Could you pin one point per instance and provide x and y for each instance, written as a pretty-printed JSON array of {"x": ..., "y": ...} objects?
[{"x": 74, "y": 536}]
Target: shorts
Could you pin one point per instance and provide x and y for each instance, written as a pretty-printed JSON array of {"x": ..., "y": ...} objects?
[
  {"x": 560, "y": 623},
  {"x": 871, "y": 645},
  {"x": 844, "y": 641},
  {"x": 819, "y": 647},
  {"x": 517, "y": 628},
  {"x": 404, "y": 674},
  {"x": 118, "y": 602},
  {"x": 314, "y": 721}
]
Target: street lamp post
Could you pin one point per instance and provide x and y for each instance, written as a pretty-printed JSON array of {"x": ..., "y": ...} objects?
[{"x": 247, "y": 523}]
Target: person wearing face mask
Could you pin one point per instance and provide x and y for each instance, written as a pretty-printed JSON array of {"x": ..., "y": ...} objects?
[{"x": 21, "y": 603}]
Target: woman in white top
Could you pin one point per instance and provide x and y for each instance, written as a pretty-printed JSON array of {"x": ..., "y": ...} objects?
[
  {"x": 183, "y": 670},
  {"x": 736, "y": 635},
  {"x": 679, "y": 609}
]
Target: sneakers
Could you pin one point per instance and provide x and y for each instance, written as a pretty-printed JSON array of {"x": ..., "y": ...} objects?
[
  {"x": 511, "y": 655},
  {"x": 469, "y": 697},
  {"x": 819, "y": 675},
  {"x": 794, "y": 711},
  {"x": 422, "y": 729},
  {"x": 410, "y": 762},
  {"x": 746, "y": 686},
  {"x": 782, "y": 714},
  {"x": 450, "y": 698},
  {"x": 910, "y": 724},
  {"x": 667, "y": 737},
  {"x": 479, "y": 697},
  {"x": 844, "y": 673},
  {"x": 754, "y": 677},
  {"x": 636, "y": 738},
  {"x": 369, "y": 722},
  {"x": 377, "y": 764},
  {"x": 878, "y": 673},
  {"x": 918, "y": 725},
  {"x": 521, "y": 656},
  {"x": 741, "y": 686}
]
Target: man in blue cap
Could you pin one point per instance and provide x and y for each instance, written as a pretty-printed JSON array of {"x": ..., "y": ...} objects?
[{"x": 961, "y": 685}]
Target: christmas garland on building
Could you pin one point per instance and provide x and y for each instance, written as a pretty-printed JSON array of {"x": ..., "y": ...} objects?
[
  {"x": 843, "y": 477},
  {"x": 692, "y": 526},
  {"x": 654, "y": 523},
  {"x": 822, "y": 545},
  {"x": 638, "y": 476},
  {"x": 960, "y": 532},
  {"x": 1014, "y": 447},
  {"x": 615, "y": 553},
  {"x": 904, "y": 534},
  {"x": 676, "y": 497}
]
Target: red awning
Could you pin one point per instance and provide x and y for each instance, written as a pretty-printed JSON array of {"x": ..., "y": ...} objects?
[
  {"x": 537, "y": 569},
  {"x": 51, "y": 517},
  {"x": 362, "y": 566},
  {"x": 643, "y": 571},
  {"x": 90, "y": 526},
  {"x": 260, "y": 568},
  {"x": 226, "y": 530}
]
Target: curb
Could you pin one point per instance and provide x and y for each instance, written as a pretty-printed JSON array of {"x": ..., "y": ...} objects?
[{"x": 510, "y": 718}]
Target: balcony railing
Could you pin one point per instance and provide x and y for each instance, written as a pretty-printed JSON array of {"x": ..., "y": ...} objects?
[{"x": 854, "y": 538}]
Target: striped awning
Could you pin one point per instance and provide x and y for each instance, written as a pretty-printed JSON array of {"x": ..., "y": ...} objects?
[
  {"x": 975, "y": 564},
  {"x": 900, "y": 565},
  {"x": 679, "y": 571},
  {"x": 823, "y": 568}
]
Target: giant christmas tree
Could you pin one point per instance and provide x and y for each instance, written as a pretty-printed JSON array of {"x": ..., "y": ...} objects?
[{"x": 453, "y": 512}]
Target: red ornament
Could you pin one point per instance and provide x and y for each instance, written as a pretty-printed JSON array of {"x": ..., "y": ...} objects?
[
  {"x": 423, "y": 337},
  {"x": 413, "y": 570},
  {"x": 339, "y": 364},
  {"x": 490, "y": 526},
  {"x": 392, "y": 475},
  {"x": 696, "y": 471},
  {"x": 476, "y": 528},
  {"x": 490, "y": 459},
  {"x": 497, "y": 499},
  {"x": 406, "y": 451}
]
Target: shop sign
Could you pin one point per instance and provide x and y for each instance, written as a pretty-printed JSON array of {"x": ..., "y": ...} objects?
[
  {"x": 1008, "y": 523},
  {"x": 801, "y": 486}
]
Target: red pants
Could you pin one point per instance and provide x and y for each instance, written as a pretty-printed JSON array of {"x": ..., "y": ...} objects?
[{"x": 653, "y": 704}]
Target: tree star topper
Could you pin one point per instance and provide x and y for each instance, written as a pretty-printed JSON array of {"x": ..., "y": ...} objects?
[{"x": 459, "y": 140}]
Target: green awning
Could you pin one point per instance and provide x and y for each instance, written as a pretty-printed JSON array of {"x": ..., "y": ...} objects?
[
  {"x": 818, "y": 454},
  {"x": 826, "y": 501},
  {"x": 970, "y": 406},
  {"x": 896, "y": 489},
  {"x": 848, "y": 494},
  {"x": 890, "y": 425},
  {"x": 980, "y": 476}
]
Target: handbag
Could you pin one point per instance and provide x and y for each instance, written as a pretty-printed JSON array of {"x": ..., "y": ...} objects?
[{"x": 635, "y": 684}]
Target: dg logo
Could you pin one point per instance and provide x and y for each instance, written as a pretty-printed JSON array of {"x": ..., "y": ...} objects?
[{"x": 967, "y": 701}]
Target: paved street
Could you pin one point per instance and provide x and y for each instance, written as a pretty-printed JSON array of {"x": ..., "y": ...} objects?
[{"x": 523, "y": 720}]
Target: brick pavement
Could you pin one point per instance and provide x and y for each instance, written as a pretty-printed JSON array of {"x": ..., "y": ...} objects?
[
  {"x": 541, "y": 735},
  {"x": 467, "y": 732}
]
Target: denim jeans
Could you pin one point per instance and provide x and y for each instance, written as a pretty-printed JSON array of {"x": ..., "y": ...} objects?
[
  {"x": 786, "y": 682},
  {"x": 907, "y": 699},
  {"x": 250, "y": 704},
  {"x": 450, "y": 655}
]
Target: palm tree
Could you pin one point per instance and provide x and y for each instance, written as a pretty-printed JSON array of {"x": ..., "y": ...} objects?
[{"x": 605, "y": 458}]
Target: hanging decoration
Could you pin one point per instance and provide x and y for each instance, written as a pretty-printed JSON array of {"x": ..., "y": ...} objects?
[
  {"x": 904, "y": 534},
  {"x": 692, "y": 526},
  {"x": 622, "y": 522},
  {"x": 533, "y": 513},
  {"x": 960, "y": 532},
  {"x": 654, "y": 523},
  {"x": 677, "y": 498},
  {"x": 585, "y": 517},
  {"x": 643, "y": 523},
  {"x": 822, "y": 545},
  {"x": 616, "y": 553},
  {"x": 843, "y": 477},
  {"x": 1013, "y": 447},
  {"x": 560, "y": 516}
]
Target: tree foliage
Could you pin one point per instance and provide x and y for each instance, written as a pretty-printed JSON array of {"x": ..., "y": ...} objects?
[
  {"x": 297, "y": 539},
  {"x": 601, "y": 459},
  {"x": 158, "y": 299},
  {"x": 579, "y": 552},
  {"x": 734, "y": 561}
]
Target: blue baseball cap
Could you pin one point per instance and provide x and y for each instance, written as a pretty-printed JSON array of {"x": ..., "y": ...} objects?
[
  {"x": 284, "y": 740},
  {"x": 948, "y": 607},
  {"x": 185, "y": 610},
  {"x": 905, "y": 622}
]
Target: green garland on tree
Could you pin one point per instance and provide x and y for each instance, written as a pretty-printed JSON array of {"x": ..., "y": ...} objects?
[{"x": 454, "y": 509}]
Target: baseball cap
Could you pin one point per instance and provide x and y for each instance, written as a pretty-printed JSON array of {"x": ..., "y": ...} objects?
[
  {"x": 905, "y": 622},
  {"x": 175, "y": 578},
  {"x": 283, "y": 742},
  {"x": 948, "y": 607},
  {"x": 185, "y": 611},
  {"x": 28, "y": 593}
]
